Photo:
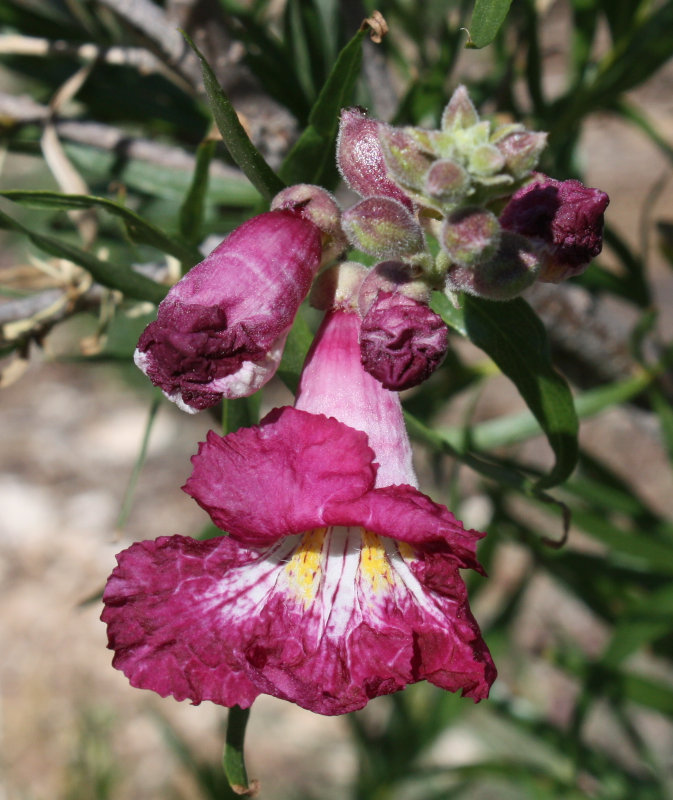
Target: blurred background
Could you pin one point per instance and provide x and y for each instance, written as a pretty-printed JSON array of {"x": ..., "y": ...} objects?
[{"x": 103, "y": 99}]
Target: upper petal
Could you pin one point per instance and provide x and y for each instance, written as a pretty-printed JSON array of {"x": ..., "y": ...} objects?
[
  {"x": 405, "y": 514},
  {"x": 264, "y": 482}
]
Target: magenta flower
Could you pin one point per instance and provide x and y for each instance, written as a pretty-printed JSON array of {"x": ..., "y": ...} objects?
[
  {"x": 339, "y": 580},
  {"x": 565, "y": 218},
  {"x": 220, "y": 331}
]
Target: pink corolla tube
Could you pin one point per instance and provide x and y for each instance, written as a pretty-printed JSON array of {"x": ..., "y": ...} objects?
[
  {"x": 221, "y": 330},
  {"x": 339, "y": 580}
]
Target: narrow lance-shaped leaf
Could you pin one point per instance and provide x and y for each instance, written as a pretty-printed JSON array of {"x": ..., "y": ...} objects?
[
  {"x": 514, "y": 337},
  {"x": 296, "y": 349},
  {"x": 114, "y": 276},
  {"x": 192, "y": 209},
  {"x": 237, "y": 141},
  {"x": 312, "y": 157},
  {"x": 139, "y": 229},
  {"x": 487, "y": 17}
]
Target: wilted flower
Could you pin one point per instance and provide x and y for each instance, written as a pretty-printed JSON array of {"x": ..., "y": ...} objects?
[
  {"x": 220, "y": 331},
  {"x": 564, "y": 218},
  {"x": 339, "y": 581}
]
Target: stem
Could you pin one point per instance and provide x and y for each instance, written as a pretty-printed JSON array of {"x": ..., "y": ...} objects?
[{"x": 233, "y": 761}]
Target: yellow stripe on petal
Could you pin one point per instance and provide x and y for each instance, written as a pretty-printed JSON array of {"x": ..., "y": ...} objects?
[
  {"x": 304, "y": 568},
  {"x": 374, "y": 564},
  {"x": 406, "y": 551}
]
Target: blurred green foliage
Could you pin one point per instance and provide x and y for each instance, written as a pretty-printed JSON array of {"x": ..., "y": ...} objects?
[{"x": 618, "y": 564}]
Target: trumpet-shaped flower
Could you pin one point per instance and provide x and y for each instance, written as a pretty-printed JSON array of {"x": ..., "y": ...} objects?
[
  {"x": 339, "y": 580},
  {"x": 221, "y": 330}
]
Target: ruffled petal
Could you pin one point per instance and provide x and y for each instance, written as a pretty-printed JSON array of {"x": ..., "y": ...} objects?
[
  {"x": 275, "y": 479},
  {"x": 405, "y": 514},
  {"x": 327, "y": 620},
  {"x": 163, "y": 616},
  {"x": 220, "y": 330}
]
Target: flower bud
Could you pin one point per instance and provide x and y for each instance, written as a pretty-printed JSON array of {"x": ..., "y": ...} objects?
[
  {"x": 392, "y": 276},
  {"x": 470, "y": 236},
  {"x": 521, "y": 150},
  {"x": 318, "y": 206},
  {"x": 460, "y": 111},
  {"x": 513, "y": 268},
  {"x": 566, "y": 218},
  {"x": 360, "y": 157},
  {"x": 447, "y": 181},
  {"x": 402, "y": 341},
  {"x": 382, "y": 228},
  {"x": 406, "y": 161}
]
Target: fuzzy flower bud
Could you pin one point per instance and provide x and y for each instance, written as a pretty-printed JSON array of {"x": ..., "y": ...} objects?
[
  {"x": 360, "y": 157},
  {"x": 565, "y": 218},
  {"x": 511, "y": 269},
  {"x": 470, "y": 236},
  {"x": 318, "y": 206},
  {"x": 402, "y": 341},
  {"x": 392, "y": 276},
  {"x": 383, "y": 227}
]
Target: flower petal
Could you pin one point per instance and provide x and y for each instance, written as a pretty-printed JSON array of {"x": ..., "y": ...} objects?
[
  {"x": 405, "y": 514},
  {"x": 274, "y": 479},
  {"x": 327, "y": 620},
  {"x": 231, "y": 312},
  {"x": 163, "y": 620}
]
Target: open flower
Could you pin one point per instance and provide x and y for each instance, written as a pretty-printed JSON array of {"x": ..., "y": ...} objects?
[
  {"x": 339, "y": 580},
  {"x": 220, "y": 331}
]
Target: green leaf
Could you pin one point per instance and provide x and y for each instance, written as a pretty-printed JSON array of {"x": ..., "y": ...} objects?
[
  {"x": 487, "y": 17},
  {"x": 115, "y": 276},
  {"x": 519, "y": 427},
  {"x": 193, "y": 207},
  {"x": 242, "y": 150},
  {"x": 139, "y": 229},
  {"x": 296, "y": 349},
  {"x": 515, "y": 338},
  {"x": 311, "y": 160}
]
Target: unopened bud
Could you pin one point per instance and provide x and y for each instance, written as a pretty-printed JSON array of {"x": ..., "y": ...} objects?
[
  {"x": 360, "y": 157},
  {"x": 513, "y": 268},
  {"x": 392, "y": 276},
  {"x": 382, "y": 228},
  {"x": 470, "y": 236},
  {"x": 521, "y": 150},
  {"x": 402, "y": 341},
  {"x": 407, "y": 162},
  {"x": 447, "y": 181},
  {"x": 460, "y": 111}
]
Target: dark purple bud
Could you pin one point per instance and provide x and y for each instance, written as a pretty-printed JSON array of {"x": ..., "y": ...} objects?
[
  {"x": 382, "y": 227},
  {"x": 360, "y": 157},
  {"x": 392, "y": 276},
  {"x": 565, "y": 217},
  {"x": 511, "y": 269},
  {"x": 221, "y": 329},
  {"x": 402, "y": 341}
]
